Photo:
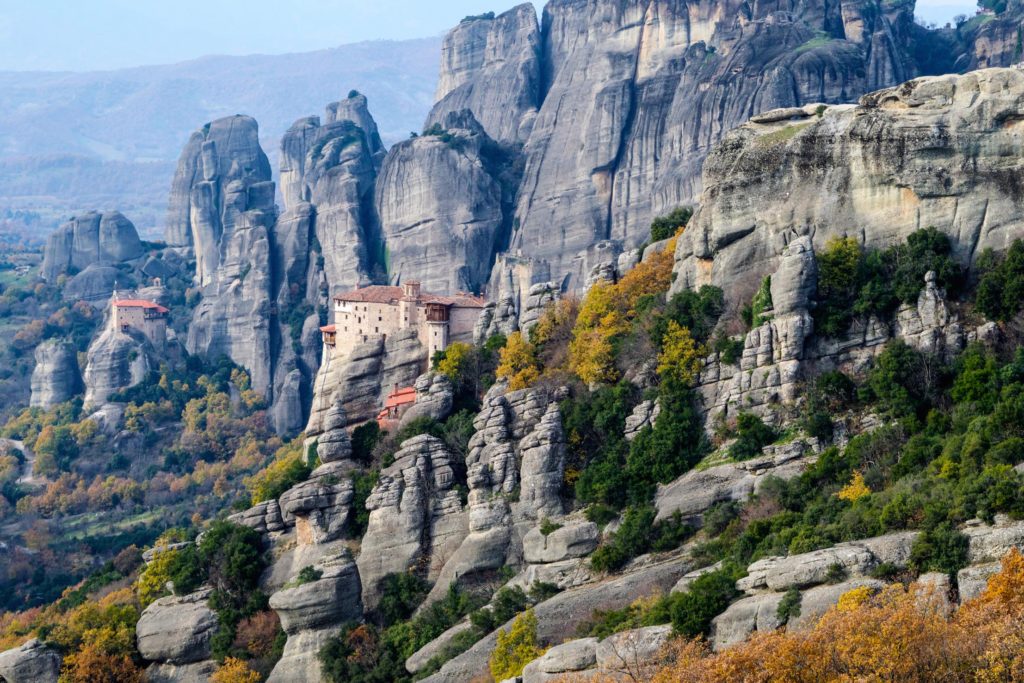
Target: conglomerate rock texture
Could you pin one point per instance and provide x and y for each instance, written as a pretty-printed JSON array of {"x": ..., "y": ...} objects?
[
  {"x": 492, "y": 66},
  {"x": 877, "y": 171},
  {"x": 636, "y": 93},
  {"x": 56, "y": 377},
  {"x": 89, "y": 239}
]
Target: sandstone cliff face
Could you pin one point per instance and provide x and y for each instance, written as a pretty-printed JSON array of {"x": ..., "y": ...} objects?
[
  {"x": 492, "y": 66},
  {"x": 795, "y": 173},
  {"x": 443, "y": 206},
  {"x": 90, "y": 239},
  {"x": 637, "y": 92},
  {"x": 221, "y": 174},
  {"x": 116, "y": 360},
  {"x": 56, "y": 377},
  {"x": 328, "y": 173}
]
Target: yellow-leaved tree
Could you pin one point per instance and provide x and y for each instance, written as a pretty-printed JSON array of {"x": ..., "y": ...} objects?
[
  {"x": 855, "y": 490},
  {"x": 607, "y": 312},
  {"x": 234, "y": 671},
  {"x": 680, "y": 357},
  {"x": 517, "y": 362},
  {"x": 516, "y": 647}
]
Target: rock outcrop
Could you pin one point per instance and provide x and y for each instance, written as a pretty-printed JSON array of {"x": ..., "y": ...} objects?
[
  {"x": 829, "y": 171},
  {"x": 415, "y": 514},
  {"x": 222, "y": 206},
  {"x": 328, "y": 173},
  {"x": 363, "y": 379},
  {"x": 637, "y": 93},
  {"x": 33, "y": 662},
  {"x": 435, "y": 397},
  {"x": 312, "y": 612},
  {"x": 117, "y": 359},
  {"x": 444, "y": 204},
  {"x": 90, "y": 239},
  {"x": 491, "y": 66},
  {"x": 221, "y": 174},
  {"x": 177, "y": 630},
  {"x": 56, "y": 377}
]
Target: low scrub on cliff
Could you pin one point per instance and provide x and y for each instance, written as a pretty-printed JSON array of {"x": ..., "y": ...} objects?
[{"x": 896, "y": 634}]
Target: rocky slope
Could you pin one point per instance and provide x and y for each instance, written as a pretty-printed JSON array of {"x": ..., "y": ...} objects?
[
  {"x": 618, "y": 142},
  {"x": 831, "y": 172}
]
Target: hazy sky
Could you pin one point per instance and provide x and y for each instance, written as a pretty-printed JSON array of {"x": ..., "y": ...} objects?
[{"x": 85, "y": 35}]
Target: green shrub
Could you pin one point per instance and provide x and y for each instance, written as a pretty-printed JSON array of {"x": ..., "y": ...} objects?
[
  {"x": 307, "y": 574},
  {"x": 547, "y": 526},
  {"x": 707, "y": 597},
  {"x": 365, "y": 438},
  {"x": 942, "y": 549},
  {"x": 903, "y": 379},
  {"x": 638, "y": 534},
  {"x": 1000, "y": 290},
  {"x": 836, "y": 573},
  {"x": 752, "y": 435},
  {"x": 664, "y": 227},
  {"x": 401, "y": 594},
  {"x": 789, "y": 606}
]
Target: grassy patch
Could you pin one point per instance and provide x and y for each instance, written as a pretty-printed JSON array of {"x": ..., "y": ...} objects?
[{"x": 781, "y": 136}]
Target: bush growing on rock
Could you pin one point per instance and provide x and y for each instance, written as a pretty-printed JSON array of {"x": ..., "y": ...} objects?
[
  {"x": 752, "y": 435},
  {"x": 515, "y": 648},
  {"x": 401, "y": 594},
  {"x": 664, "y": 227},
  {"x": 1001, "y": 287}
]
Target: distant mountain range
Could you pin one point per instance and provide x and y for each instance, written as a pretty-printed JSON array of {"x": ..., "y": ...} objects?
[{"x": 104, "y": 140}]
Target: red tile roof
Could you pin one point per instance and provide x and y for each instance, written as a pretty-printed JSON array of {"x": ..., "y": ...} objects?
[
  {"x": 140, "y": 303},
  {"x": 386, "y": 294},
  {"x": 328, "y": 328},
  {"x": 400, "y": 397},
  {"x": 374, "y": 294}
]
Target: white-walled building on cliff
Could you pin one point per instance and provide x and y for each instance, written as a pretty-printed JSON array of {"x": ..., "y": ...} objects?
[{"x": 380, "y": 310}]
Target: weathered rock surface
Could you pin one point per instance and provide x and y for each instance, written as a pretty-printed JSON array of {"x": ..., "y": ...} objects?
[
  {"x": 263, "y": 517},
  {"x": 412, "y": 501},
  {"x": 320, "y": 506},
  {"x": 92, "y": 238},
  {"x": 222, "y": 173},
  {"x": 443, "y": 204},
  {"x": 566, "y": 542},
  {"x": 363, "y": 379},
  {"x": 116, "y": 360},
  {"x": 575, "y": 655},
  {"x": 636, "y": 94},
  {"x": 973, "y": 580},
  {"x": 177, "y": 629},
  {"x": 55, "y": 377},
  {"x": 335, "y": 445},
  {"x": 569, "y": 607},
  {"x": 435, "y": 396},
  {"x": 695, "y": 492},
  {"x": 332, "y": 599},
  {"x": 196, "y": 672},
  {"x": 644, "y": 415},
  {"x": 328, "y": 173},
  {"x": 93, "y": 285},
  {"x": 855, "y": 558},
  {"x": 744, "y": 617},
  {"x": 491, "y": 66},
  {"x": 769, "y": 183},
  {"x": 991, "y": 543},
  {"x": 222, "y": 206},
  {"x": 32, "y": 662}
]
